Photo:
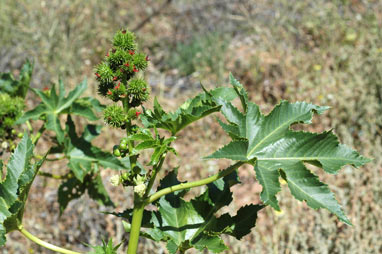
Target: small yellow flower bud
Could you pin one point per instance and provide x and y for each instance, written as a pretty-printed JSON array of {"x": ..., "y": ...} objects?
[
  {"x": 140, "y": 189},
  {"x": 115, "y": 180}
]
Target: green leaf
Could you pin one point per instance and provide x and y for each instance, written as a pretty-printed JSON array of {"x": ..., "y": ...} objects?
[
  {"x": 239, "y": 89},
  {"x": 63, "y": 102},
  {"x": 73, "y": 188},
  {"x": 268, "y": 143},
  {"x": 184, "y": 225},
  {"x": 236, "y": 150},
  {"x": 106, "y": 248},
  {"x": 269, "y": 179},
  {"x": 33, "y": 114},
  {"x": 305, "y": 186},
  {"x": 192, "y": 110},
  {"x": 54, "y": 104},
  {"x": 83, "y": 110},
  {"x": 83, "y": 155},
  {"x": 15, "y": 187},
  {"x": 53, "y": 123},
  {"x": 13, "y": 87}
]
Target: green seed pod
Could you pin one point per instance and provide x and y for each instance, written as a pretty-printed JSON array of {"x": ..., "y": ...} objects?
[
  {"x": 123, "y": 146},
  {"x": 134, "y": 128},
  {"x": 125, "y": 176},
  {"x": 117, "y": 152},
  {"x": 20, "y": 135}
]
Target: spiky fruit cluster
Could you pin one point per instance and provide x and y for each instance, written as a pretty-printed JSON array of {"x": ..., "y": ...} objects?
[
  {"x": 117, "y": 79},
  {"x": 121, "y": 64}
]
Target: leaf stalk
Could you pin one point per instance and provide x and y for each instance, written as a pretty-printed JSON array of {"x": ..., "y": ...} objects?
[
  {"x": 189, "y": 185},
  {"x": 43, "y": 243}
]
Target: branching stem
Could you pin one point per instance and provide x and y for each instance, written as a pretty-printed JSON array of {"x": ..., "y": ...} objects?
[
  {"x": 189, "y": 185},
  {"x": 43, "y": 243}
]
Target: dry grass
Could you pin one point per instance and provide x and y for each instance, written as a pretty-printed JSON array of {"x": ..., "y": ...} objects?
[{"x": 326, "y": 52}]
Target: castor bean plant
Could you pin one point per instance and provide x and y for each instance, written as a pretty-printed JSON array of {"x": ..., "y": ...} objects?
[{"x": 264, "y": 142}]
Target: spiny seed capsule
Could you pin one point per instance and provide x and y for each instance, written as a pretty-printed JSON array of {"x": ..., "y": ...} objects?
[
  {"x": 131, "y": 52},
  {"x": 137, "y": 113},
  {"x": 127, "y": 64},
  {"x": 147, "y": 58},
  {"x": 123, "y": 31},
  {"x": 135, "y": 69},
  {"x": 115, "y": 78},
  {"x": 97, "y": 74}
]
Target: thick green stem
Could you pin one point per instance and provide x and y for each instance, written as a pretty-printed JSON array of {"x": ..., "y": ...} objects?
[
  {"x": 139, "y": 207},
  {"x": 45, "y": 244},
  {"x": 189, "y": 185}
]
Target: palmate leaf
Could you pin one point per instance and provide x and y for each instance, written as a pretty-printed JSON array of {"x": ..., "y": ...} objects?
[
  {"x": 14, "y": 189},
  {"x": 273, "y": 148},
  {"x": 54, "y": 104},
  {"x": 192, "y": 110},
  {"x": 184, "y": 225},
  {"x": 83, "y": 155}
]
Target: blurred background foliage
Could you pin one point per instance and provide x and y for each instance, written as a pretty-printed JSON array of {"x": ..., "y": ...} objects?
[{"x": 325, "y": 52}]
